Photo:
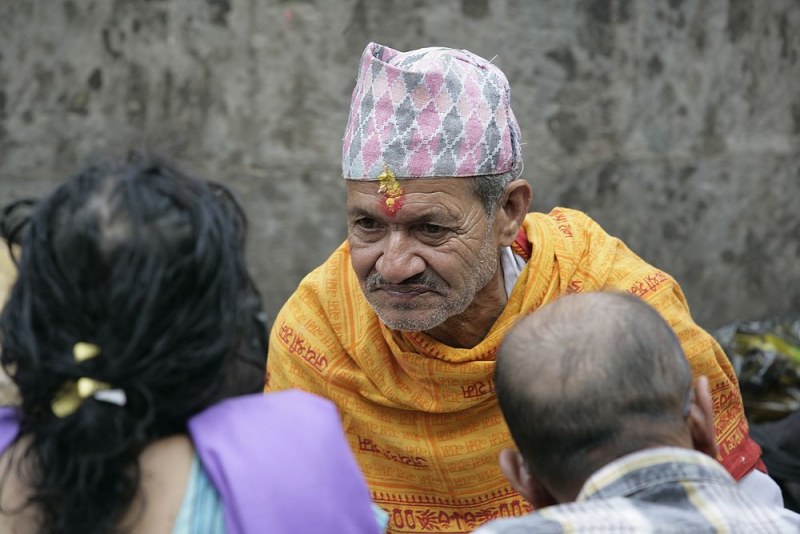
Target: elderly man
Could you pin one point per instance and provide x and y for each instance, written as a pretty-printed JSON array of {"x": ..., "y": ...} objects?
[
  {"x": 401, "y": 325},
  {"x": 599, "y": 399}
]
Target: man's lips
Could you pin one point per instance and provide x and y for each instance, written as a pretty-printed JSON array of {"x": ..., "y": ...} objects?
[{"x": 404, "y": 292}]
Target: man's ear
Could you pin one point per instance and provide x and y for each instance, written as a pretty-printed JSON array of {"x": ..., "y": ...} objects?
[
  {"x": 701, "y": 419},
  {"x": 512, "y": 210},
  {"x": 513, "y": 468}
]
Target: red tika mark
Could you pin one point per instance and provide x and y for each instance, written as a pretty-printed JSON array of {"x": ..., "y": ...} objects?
[{"x": 392, "y": 205}]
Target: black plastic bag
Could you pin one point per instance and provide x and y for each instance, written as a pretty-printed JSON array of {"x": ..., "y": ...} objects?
[{"x": 766, "y": 358}]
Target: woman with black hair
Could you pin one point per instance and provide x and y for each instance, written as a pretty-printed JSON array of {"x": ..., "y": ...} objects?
[{"x": 133, "y": 333}]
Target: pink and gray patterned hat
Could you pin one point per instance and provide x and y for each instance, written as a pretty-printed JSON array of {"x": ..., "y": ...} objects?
[{"x": 432, "y": 112}]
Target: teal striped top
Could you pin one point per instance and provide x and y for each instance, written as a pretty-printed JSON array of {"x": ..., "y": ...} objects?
[{"x": 201, "y": 510}]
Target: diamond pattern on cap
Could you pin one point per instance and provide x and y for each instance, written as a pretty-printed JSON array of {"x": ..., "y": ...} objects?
[{"x": 433, "y": 112}]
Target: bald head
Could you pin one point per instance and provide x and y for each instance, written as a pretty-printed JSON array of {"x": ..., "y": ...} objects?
[{"x": 589, "y": 378}]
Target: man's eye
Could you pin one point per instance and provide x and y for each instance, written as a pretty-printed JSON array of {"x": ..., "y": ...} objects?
[
  {"x": 367, "y": 224},
  {"x": 433, "y": 229}
]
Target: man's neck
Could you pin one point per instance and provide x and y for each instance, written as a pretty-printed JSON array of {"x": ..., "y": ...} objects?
[
  {"x": 470, "y": 327},
  {"x": 599, "y": 459}
]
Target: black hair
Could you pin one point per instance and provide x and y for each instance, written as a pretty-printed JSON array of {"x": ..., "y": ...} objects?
[
  {"x": 13, "y": 220},
  {"x": 588, "y": 379},
  {"x": 148, "y": 264}
]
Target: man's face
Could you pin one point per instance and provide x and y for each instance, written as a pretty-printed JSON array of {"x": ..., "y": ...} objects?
[{"x": 426, "y": 262}]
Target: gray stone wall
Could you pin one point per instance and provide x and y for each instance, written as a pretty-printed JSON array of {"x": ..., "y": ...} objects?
[{"x": 674, "y": 123}]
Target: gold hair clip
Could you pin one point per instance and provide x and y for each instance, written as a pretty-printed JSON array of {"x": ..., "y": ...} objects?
[
  {"x": 74, "y": 392},
  {"x": 392, "y": 192},
  {"x": 85, "y": 351}
]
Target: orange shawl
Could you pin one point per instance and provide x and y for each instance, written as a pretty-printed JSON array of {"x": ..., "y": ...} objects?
[{"x": 422, "y": 418}]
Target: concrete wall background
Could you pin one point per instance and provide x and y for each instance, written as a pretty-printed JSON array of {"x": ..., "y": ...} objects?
[{"x": 674, "y": 123}]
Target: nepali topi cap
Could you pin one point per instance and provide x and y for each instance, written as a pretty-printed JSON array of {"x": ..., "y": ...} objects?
[{"x": 432, "y": 112}]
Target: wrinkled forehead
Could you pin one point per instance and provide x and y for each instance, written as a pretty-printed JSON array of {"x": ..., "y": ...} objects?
[{"x": 445, "y": 196}]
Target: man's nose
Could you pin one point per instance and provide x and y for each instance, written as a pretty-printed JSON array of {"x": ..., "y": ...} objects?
[{"x": 399, "y": 259}]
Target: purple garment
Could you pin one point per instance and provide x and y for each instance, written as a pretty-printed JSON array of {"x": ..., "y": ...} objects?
[
  {"x": 281, "y": 464},
  {"x": 9, "y": 427}
]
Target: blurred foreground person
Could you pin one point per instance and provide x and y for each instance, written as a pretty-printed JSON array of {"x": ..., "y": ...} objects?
[
  {"x": 612, "y": 435},
  {"x": 133, "y": 335}
]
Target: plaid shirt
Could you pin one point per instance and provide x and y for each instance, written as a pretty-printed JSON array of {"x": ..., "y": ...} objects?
[{"x": 663, "y": 490}]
